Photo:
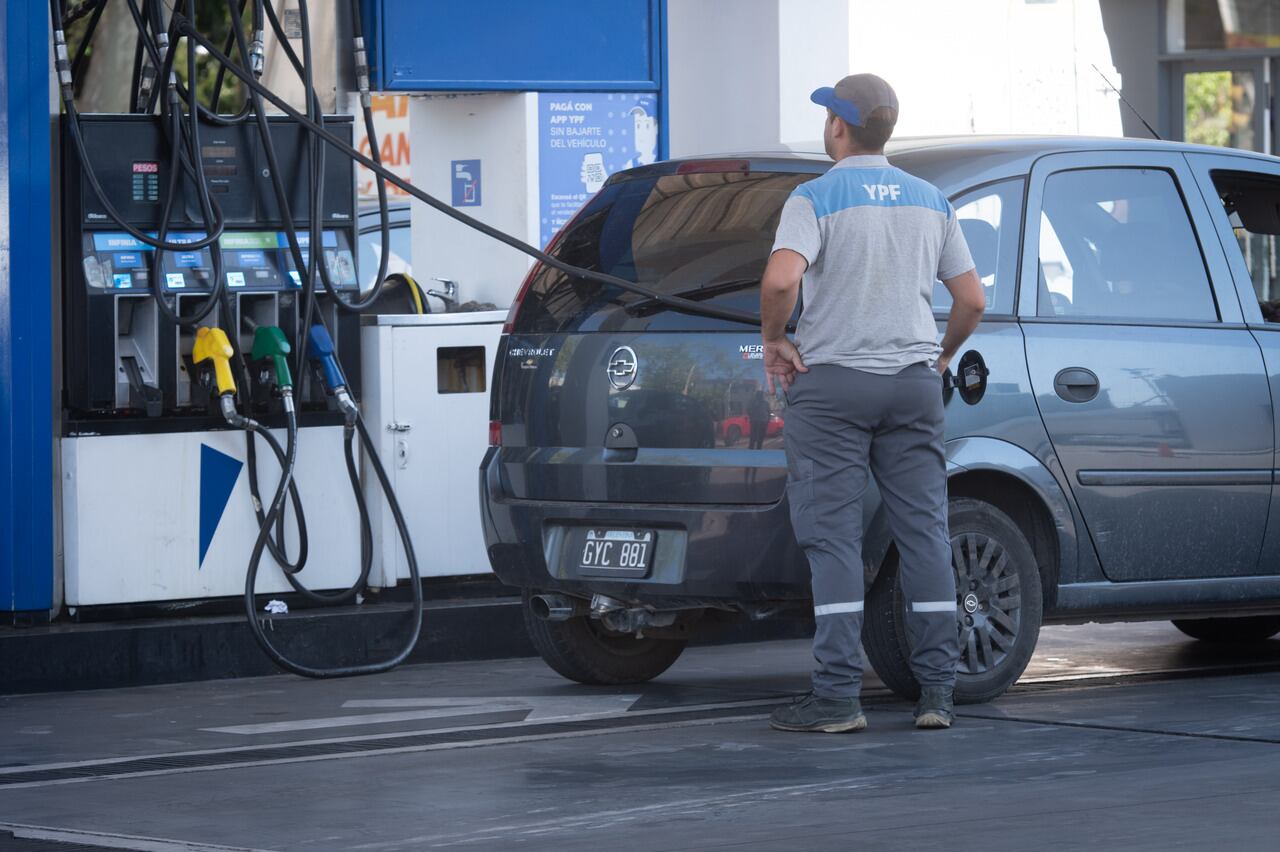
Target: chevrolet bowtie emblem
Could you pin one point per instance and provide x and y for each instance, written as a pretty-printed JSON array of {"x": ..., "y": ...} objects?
[{"x": 622, "y": 367}]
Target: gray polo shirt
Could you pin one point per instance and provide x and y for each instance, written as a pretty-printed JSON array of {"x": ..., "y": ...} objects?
[{"x": 876, "y": 239}]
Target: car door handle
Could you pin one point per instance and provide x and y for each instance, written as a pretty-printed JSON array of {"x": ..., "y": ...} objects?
[{"x": 1076, "y": 384}]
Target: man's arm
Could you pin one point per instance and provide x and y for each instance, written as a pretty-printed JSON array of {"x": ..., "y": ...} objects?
[
  {"x": 778, "y": 292},
  {"x": 967, "y": 306}
]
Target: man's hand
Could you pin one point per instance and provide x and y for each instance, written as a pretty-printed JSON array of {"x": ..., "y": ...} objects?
[
  {"x": 781, "y": 363},
  {"x": 941, "y": 365}
]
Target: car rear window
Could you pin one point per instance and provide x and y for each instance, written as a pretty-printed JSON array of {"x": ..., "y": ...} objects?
[{"x": 704, "y": 235}]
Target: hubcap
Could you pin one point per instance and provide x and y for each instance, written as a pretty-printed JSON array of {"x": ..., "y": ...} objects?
[{"x": 989, "y": 627}]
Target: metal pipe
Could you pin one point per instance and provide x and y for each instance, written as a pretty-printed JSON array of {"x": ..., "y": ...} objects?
[{"x": 557, "y": 607}]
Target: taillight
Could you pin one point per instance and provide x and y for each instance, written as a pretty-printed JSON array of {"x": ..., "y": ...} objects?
[{"x": 495, "y": 433}]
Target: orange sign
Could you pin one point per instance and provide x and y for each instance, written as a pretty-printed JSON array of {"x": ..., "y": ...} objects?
[{"x": 391, "y": 122}]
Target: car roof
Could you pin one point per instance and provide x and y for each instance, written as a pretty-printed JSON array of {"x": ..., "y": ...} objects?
[{"x": 959, "y": 160}]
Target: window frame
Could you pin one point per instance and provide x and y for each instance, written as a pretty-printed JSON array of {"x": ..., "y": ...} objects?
[
  {"x": 1221, "y": 282},
  {"x": 1009, "y": 308},
  {"x": 1202, "y": 166}
]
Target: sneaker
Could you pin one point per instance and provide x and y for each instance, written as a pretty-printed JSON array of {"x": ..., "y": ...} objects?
[
  {"x": 935, "y": 708},
  {"x": 814, "y": 713}
]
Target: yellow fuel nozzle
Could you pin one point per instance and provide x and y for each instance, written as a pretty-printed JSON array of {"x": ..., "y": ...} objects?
[{"x": 212, "y": 345}]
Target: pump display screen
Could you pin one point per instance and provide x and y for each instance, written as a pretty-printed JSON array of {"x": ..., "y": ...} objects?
[
  {"x": 146, "y": 181},
  {"x": 251, "y": 260},
  {"x": 113, "y": 260}
]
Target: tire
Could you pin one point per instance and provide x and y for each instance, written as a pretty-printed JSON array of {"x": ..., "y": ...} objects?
[
  {"x": 993, "y": 652},
  {"x": 732, "y": 435},
  {"x": 1251, "y": 628},
  {"x": 582, "y": 649}
]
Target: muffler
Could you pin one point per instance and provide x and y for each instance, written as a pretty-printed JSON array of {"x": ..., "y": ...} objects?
[{"x": 557, "y": 607}]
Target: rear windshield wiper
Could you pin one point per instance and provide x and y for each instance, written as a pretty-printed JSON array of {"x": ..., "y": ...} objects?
[{"x": 694, "y": 294}]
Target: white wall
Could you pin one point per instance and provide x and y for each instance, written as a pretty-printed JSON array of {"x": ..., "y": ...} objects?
[
  {"x": 722, "y": 75},
  {"x": 740, "y": 72},
  {"x": 990, "y": 66},
  {"x": 498, "y": 130},
  {"x": 815, "y": 50}
]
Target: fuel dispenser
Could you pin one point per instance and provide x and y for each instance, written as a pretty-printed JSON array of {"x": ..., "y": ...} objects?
[{"x": 127, "y": 365}]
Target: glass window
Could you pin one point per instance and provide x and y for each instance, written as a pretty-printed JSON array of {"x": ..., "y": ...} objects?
[
  {"x": 1252, "y": 204},
  {"x": 990, "y": 218},
  {"x": 1218, "y": 108},
  {"x": 1117, "y": 244},
  {"x": 371, "y": 253},
  {"x": 1221, "y": 25},
  {"x": 703, "y": 235}
]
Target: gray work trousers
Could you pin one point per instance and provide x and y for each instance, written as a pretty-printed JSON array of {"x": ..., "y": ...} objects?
[{"x": 841, "y": 425}]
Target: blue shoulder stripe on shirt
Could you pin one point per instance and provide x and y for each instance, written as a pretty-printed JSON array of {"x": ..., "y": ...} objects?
[{"x": 841, "y": 189}]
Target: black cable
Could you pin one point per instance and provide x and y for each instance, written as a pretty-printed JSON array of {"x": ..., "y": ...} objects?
[
  {"x": 90, "y": 29},
  {"x": 315, "y": 158},
  {"x": 173, "y": 314},
  {"x": 673, "y": 302},
  {"x": 75, "y": 13},
  {"x": 135, "y": 77},
  {"x": 366, "y": 535},
  {"x": 251, "y": 576},
  {"x": 375, "y": 292},
  {"x": 213, "y": 234},
  {"x": 315, "y": 262},
  {"x": 237, "y": 15},
  {"x": 282, "y": 202},
  {"x": 277, "y": 546}
]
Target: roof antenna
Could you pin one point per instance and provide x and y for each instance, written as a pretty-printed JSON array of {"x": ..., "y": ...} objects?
[{"x": 1126, "y": 103}]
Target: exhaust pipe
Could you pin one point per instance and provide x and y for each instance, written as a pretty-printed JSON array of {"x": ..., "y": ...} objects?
[{"x": 557, "y": 607}]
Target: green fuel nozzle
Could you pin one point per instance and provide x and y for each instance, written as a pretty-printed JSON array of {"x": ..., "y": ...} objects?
[{"x": 269, "y": 342}]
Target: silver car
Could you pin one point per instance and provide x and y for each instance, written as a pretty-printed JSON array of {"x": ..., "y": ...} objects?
[{"x": 1111, "y": 427}]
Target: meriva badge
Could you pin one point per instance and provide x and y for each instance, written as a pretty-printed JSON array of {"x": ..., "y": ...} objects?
[{"x": 622, "y": 367}]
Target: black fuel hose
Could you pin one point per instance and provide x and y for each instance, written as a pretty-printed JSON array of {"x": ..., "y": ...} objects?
[
  {"x": 214, "y": 228},
  {"x": 264, "y": 532},
  {"x": 184, "y": 25},
  {"x": 282, "y": 202},
  {"x": 308, "y": 268}
]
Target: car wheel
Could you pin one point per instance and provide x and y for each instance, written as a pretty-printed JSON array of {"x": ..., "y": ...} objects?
[
  {"x": 999, "y": 614},
  {"x": 584, "y": 650},
  {"x": 1251, "y": 628},
  {"x": 732, "y": 435}
]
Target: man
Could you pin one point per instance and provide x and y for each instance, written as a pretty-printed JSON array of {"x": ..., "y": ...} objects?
[
  {"x": 758, "y": 419},
  {"x": 864, "y": 395}
]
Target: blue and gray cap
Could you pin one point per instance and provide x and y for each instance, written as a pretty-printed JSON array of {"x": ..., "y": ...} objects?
[{"x": 857, "y": 96}]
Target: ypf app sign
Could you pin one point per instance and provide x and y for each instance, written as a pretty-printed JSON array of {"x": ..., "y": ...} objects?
[{"x": 584, "y": 138}]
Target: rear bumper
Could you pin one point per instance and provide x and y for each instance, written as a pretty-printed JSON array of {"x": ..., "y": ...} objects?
[{"x": 707, "y": 555}]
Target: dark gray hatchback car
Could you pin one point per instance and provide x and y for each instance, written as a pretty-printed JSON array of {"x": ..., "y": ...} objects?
[{"x": 1111, "y": 432}]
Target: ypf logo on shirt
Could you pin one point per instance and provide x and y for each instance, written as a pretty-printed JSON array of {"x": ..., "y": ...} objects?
[{"x": 881, "y": 191}]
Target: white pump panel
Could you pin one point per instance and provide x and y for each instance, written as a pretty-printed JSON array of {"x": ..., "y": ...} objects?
[
  {"x": 427, "y": 381},
  {"x": 135, "y": 508}
]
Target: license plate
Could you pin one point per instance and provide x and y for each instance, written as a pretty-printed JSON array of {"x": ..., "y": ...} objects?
[{"x": 620, "y": 553}]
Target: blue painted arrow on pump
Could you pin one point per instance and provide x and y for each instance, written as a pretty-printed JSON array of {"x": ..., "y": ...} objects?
[{"x": 218, "y": 475}]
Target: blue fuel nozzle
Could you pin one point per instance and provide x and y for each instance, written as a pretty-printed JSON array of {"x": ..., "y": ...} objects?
[{"x": 320, "y": 350}]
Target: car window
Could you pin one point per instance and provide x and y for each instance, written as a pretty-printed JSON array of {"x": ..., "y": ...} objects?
[
  {"x": 990, "y": 218},
  {"x": 703, "y": 235},
  {"x": 1118, "y": 244},
  {"x": 1252, "y": 204},
  {"x": 371, "y": 252}
]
